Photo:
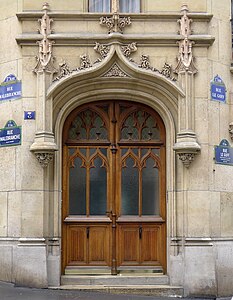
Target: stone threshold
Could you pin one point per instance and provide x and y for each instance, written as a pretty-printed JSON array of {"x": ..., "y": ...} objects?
[{"x": 146, "y": 290}]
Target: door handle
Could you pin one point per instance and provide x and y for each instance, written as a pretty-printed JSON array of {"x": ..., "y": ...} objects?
[
  {"x": 140, "y": 232},
  {"x": 88, "y": 232}
]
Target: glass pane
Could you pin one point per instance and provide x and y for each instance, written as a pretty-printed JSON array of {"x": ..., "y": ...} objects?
[
  {"x": 71, "y": 151},
  {"x": 77, "y": 189},
  {"x": 130, "y": 6},
  {"x": 98, "y": 186},
  {"x": 98, "y": 132},
  {"x": 129, "y": 131},
  {"x": 99, "y": 5},
  {"x": 88, "y": 125},
  {"x": 150, "y": 189},
  {"x": 150, "y": 131},
  {"x": 129, "y": 189}
]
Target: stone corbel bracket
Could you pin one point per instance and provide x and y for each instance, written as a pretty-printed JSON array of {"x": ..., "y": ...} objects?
[
  {"x": 187, "y": 147},
  {"x": 44, "y": 148},
  {"x": 231, "y": 130}
]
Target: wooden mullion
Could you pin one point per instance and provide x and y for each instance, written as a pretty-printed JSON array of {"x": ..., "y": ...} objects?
[
  {"x": 88, "y": 185},
  {"x": 140, "y": 184}
]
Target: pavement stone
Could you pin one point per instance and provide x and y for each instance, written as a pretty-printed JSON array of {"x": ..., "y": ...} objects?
[{"x": 10, "y": 292}]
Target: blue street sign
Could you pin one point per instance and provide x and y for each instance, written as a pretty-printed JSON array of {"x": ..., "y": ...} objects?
[
  {"x": 224, "y": 153},
  {"x": 10, "y": 88},
  {"x": 10, "y": 135},
  {"x": 218, "y": 90},
  {"x": 29, "y": 115}
]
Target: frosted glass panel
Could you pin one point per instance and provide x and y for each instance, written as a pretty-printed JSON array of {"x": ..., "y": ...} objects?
[
  {"x": 99, "y": 6},
  {"x": 150, "y": 189},
  {"x": 98, "y": 186},
  {"x": 129, "y": 189},
  {"x": 130, "y": 6},
  {"x": 77, "y": 189}
]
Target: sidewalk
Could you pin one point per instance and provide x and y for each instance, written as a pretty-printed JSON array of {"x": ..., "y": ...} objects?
[{"x": 9, "y": 292}]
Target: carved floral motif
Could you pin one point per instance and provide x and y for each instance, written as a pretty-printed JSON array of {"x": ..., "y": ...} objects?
[
  {"x": 103, "y": 50},
  {"x": 45, "y": 58},
  {"x": 64, "y": 71},
  {"x": 186, "y": 158},
  {"x": 115, "y": 71},
  {"x": 167, "y": 71},
  {"x": 130, "y": 48},
  {"x": 44, "y": 158},
  {"x": 85, "y": 62},
  {"x": 115, "y": 23}
]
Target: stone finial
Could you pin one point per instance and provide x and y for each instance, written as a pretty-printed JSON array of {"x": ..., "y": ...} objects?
[
  {"x": 45, "y": 58},
  {"x": 185, "y": 58}
]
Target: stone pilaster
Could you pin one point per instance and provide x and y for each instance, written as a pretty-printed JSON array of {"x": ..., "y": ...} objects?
[
  {"x": 44, "y": 145},
  {"x": 186, "y": 145}
]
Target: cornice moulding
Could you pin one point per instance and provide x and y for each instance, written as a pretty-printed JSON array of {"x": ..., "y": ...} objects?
[
  {"x": 201, "y": 40},
  {"x": 76, "y": 15}
]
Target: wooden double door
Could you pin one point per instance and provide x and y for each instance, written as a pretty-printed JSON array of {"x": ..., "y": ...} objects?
[{"x": 114, "y": 212}]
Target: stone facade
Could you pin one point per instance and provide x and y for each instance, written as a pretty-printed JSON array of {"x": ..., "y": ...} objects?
[{"x": 149, "y": 58}]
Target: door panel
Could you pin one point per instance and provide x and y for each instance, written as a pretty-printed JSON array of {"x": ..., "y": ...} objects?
[
  {"x": 88, "y": 245},
  {"x": 128, "y": 245},
  {"x": 114, "y": 208},
  {"x": 98, "y": 245},
  {"x": 77, "y": 245}
]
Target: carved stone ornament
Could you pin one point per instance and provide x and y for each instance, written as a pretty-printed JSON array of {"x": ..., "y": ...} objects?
[
  {"x": 185, "y": 58},
  {"x": 85, "y": 62},
  {"x": 186, "y": 158},
  {"x": 45, "y": 58},
  {"x": 103, "y": 50},
  {"x": 130, "y": 48},
  {"x": 64, "y": 71},
  {"x": 44, "y": 158},
  {"x": 231, "y": 130},
  {"x": 167, "y": 71},
  {"x": 145, "y": 62},
  {"x": 115, "y": 23},
  {"x": 115, "y": 71}
]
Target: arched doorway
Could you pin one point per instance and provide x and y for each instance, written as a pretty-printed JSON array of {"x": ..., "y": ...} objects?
[{"x": 114, "y": 199}]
